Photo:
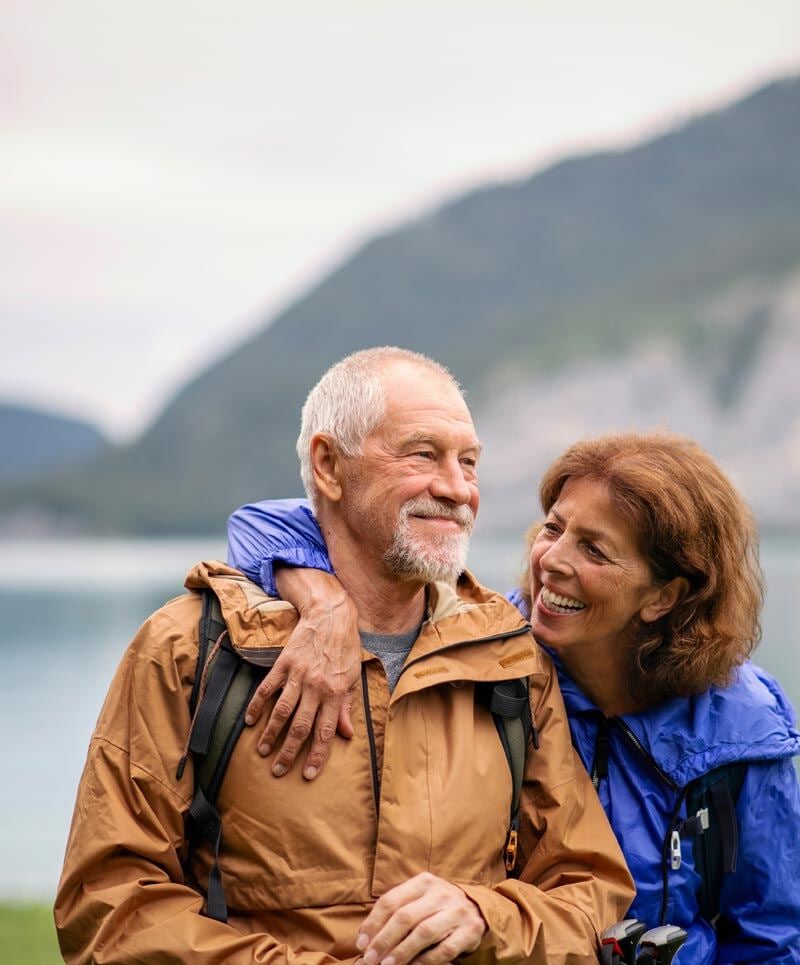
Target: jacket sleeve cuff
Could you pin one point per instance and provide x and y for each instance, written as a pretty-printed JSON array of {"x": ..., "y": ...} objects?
[
  {"x": 302, "y": 557},
  {"x": 494, "y": 910}
]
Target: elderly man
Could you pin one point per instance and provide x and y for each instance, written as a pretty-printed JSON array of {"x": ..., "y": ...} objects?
[{"x": 394, "y": 853}]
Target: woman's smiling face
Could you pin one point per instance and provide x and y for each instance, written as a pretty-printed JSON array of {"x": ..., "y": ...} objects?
[{"x": 589, "y": 581}]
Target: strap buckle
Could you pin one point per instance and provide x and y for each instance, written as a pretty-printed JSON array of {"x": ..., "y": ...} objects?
[{"x": 695, "y": 825}]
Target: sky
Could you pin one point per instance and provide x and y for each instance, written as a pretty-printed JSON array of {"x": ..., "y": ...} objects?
[{"x": 173, "y": 174}]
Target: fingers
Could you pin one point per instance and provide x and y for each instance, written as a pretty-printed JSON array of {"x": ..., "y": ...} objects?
[
  {"x": 426, "y": 919},
  {"x": 317, "y": 693},
  {"x": 408, "y": 933},
  {"x": 435, "y": 940},
  {"x": 266, "y": 689},
  {"x": 458, "y": 942},
  {"x": 388, "y": 904},
  {"x": 324, "y": 732},
  {"x": 281, "y": 712},
  {"x": 299, "y": 729},
  {"x": 344, "y": 724}
]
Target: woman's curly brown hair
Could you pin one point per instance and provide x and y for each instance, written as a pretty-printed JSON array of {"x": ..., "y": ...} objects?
[{"x": 689, "y": 520}]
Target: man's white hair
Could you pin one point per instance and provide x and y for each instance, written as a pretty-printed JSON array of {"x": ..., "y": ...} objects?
[{"x": 350, "y": 400}]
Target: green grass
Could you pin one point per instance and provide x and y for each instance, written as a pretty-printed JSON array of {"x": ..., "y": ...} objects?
[{"x": 27, "y": 935}]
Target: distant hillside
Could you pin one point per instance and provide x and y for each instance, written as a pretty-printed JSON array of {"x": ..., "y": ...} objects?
[
  {"x": 34, "y": 442},
  {"x": 682, "y": 249}
]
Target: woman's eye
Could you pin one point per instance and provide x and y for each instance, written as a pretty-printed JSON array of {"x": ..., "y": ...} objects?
[
  {"x": 551, "y": 529},
  {"x": 595, "y": 551}
]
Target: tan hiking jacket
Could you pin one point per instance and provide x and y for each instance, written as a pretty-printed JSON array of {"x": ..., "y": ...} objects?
[{"x": 303, "y": 862}]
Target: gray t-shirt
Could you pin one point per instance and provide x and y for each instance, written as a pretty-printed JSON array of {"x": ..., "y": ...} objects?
[{"x": 391, "y": 650}]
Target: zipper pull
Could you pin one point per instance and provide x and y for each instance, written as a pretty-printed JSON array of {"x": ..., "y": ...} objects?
[
  {"x": 675, "y": 850},
  {"x": 510, "y": 851}
]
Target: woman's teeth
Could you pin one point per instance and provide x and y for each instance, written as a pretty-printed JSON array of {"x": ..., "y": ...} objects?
[{"x": 560, "y": 604}]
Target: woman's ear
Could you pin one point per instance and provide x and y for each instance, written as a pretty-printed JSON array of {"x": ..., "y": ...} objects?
[
  {"x": 325, "y": 465},
  {"x": 665, "y": 598}
]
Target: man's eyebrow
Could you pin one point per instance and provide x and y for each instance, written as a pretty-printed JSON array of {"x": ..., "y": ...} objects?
[{"x": 418, "y": 438}]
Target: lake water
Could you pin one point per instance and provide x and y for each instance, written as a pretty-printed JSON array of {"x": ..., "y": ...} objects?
[{"x": 67, "y": 612}]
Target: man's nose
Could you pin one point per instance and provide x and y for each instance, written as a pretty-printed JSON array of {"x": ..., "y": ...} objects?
[{"x": 449, "y": 483}]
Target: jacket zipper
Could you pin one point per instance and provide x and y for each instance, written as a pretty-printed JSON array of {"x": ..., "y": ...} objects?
[
  {"x": 373, "y": 753},
  {"x": 601, "y": 747},
  {"x": 665, "y": 851},
  {"x": 666, "y": 848},
  {"x": 633, "y": 739},
  {"x": 376, "y": 779}
]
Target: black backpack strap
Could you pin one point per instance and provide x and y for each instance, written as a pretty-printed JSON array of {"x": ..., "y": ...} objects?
[
  {"x": 509, "y": 704},
  {"x": 212, "y": 626},
  {"x": 219, "y": 679},
  {"x": 711, "y": 822},
  {"x": 206, "y": 820},
  {"x": 723, "y": 804},
  {"x": 218, "y": 721}
]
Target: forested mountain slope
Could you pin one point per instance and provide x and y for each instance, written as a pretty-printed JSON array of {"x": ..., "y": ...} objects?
[{"x": 652, "y": 285}]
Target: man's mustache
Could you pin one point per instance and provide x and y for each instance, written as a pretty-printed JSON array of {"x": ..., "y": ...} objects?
[{"x": 428, "y": 508}]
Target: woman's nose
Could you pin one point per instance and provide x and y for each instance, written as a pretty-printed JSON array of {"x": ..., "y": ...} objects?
[{"x": 557, "y": 558}]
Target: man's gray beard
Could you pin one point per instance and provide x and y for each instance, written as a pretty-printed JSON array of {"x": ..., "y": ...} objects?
[{"x": 439, "y": 558}]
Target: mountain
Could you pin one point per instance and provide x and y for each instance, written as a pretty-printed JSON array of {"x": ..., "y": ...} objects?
[
  {"x": 647, "y": 286},
  {"x": 34, "y": 442}
]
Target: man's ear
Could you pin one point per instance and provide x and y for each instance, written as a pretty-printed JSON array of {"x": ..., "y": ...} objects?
[
  {"x": 325, "y": 464},
  {"x": 664, "y": 599}
]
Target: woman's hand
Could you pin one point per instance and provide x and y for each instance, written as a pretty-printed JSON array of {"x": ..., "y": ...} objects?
[{"x": 318, "y": 672}]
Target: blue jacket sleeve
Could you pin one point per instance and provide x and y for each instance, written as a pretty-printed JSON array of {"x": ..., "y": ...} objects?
[
  {"x": 762, "y": 896},
  {"x": 515, "y": 596},
  {"x": 276, "y": 530}
]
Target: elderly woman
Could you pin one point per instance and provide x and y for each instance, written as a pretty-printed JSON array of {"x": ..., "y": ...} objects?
[{"x": 643, "y": 584}]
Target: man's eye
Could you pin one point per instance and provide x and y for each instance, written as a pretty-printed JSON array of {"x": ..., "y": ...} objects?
[
  {"x": 469, "y": 461},
  {"x": 424, "y": 454}
]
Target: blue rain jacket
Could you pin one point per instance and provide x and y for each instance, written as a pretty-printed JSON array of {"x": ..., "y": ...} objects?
[{"x": 652, "y": 756}]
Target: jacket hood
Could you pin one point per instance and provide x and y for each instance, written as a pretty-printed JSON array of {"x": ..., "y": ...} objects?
[{"x": 752, "y": 719}]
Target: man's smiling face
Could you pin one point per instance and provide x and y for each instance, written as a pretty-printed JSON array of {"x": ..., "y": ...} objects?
[{"x": 410, "y": 499}]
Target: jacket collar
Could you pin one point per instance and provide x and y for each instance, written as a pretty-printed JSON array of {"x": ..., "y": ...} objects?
[
  {"x": 751, "y": 719},
  {"x": 465, "y": 620},
  {"x": 470, "y": 633}
]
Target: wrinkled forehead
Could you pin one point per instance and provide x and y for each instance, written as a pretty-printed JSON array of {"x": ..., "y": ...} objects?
[
  {"x": 419, "y": 402},
  {"x": 600, "y": 508}
]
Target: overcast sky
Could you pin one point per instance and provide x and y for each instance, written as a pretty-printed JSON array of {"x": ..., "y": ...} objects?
[{"x": 172, "y": 173}]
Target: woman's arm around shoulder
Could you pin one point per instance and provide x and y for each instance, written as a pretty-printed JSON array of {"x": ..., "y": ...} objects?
[
  {"x": 318, "y": 670},
  {"x": 275, "y": 531}
]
